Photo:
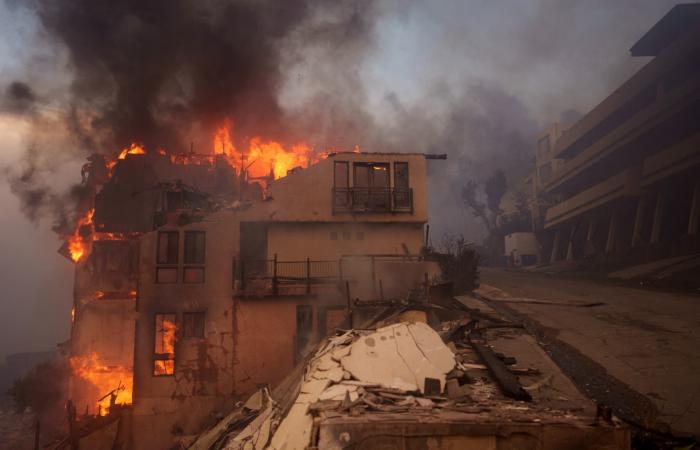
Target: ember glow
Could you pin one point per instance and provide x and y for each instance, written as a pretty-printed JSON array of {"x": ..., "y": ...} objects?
[
  {"x": 105, "y": 378},
  {"x": 78, "y": 246}
]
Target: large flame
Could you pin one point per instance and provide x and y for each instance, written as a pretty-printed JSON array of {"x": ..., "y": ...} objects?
[
  {"x": 165, "y": 345},
  {"x": 78, "y": 246},
  {"x": 263, "y": 158},
  {"x": 134, "y": 149},
  {"x": 222, "y": 139},
  {"x": 256, "y": 159},
  {"x": 105, "y": 378}
]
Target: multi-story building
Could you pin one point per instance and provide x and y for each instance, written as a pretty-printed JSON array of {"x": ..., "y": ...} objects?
[
  {"x": 188, "y": 301},
  {"x": 624, "y": 181}
]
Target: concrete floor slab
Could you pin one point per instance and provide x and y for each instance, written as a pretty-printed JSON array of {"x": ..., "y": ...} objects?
[{"x": 649, "y": 340}]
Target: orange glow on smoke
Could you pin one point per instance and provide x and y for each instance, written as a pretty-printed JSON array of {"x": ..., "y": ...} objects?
[
  {"x": 77, "y": 245},
  {"x": 134, "y": 149},
  {"x": 105, "y": 378}
]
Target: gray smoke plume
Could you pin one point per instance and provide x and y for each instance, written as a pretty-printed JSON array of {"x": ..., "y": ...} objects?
[
  {"x": 18, "y": 98},
  {"x": 150, "y": 71},
  {"x": 167, "y": 72}
]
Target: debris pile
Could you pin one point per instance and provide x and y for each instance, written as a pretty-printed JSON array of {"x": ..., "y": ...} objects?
[{"x": 406, "y": 375}]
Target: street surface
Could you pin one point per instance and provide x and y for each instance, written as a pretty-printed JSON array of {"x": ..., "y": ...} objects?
[{"x": 637, "y": 342}]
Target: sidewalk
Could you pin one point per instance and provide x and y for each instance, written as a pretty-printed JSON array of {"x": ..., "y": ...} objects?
[{"x": 648, "y": 340}]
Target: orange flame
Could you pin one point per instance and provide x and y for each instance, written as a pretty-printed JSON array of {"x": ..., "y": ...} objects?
[
  {"x": 105, "y": 378},
  {"x": 264, "y": 158},
  {"x": 165, "y": 345},
  {"x": 77, "y": 245},
  {"x": 222, "y": 139},
  {"x": 134, "y": 149}
]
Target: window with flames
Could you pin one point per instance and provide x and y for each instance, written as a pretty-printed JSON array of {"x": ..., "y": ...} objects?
[{"x": 164, "y": 349}]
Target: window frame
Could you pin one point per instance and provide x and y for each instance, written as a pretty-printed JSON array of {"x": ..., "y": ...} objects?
[
  {"x": 408, "y": 177},
  {"x": 347, "y": 174},
  {"x": 193, "y": 314},
  {"x": 194, "y": 265},
  {"x": 167, "y": 265},
  {"x": 164, "y": 356}
]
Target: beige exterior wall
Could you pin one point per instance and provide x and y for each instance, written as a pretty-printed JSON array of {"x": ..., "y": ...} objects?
[
  {"x": 253, "y": 341},
  {"x": 203, "y": 379},
  {"x": 306, "y": 195},
  {"x": 297, "y": 241}
]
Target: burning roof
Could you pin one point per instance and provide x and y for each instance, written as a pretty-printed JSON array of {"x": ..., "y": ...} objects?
[{"x": 122, "y": 192}]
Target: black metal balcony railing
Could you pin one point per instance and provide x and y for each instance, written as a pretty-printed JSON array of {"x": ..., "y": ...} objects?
[
  {"x": 369, "y": 200},
  {"x": 274, "y": 273},
  {"x": 253, "y": 277}
]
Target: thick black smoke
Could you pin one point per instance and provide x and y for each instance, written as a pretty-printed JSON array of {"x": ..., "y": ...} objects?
[
  {"x": 151, "y": 71},
  {"x": 165, "y": 73}
]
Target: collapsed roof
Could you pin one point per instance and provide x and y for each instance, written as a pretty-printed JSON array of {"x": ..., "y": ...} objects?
[{"x": 476, "y": 380}]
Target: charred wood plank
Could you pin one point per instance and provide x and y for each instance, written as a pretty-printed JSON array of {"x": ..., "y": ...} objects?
[{"x": 509, "y": 384}]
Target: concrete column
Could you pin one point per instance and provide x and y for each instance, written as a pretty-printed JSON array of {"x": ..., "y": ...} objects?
[
  {"x": 570, "y": 247},
  {"x": 638, "y": 221},
  {"x": 589, "y": 246},
  {"x": 555, "y": 246},
  {"x": 570, "y": 251},
  {"x": 658, "y": 217},
  {"x": 694, "y": 221},
  {"x": 612, "y": 233},
  {"x": 591, "y": 230}
]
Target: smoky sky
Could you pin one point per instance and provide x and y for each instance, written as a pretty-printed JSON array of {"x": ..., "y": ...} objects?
[
  {"x": 473, "y": 79},
  {"x": 148, "y": 71}
]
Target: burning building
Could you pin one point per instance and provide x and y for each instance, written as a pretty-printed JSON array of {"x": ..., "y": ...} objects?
[{"x": 199, "y": 278}]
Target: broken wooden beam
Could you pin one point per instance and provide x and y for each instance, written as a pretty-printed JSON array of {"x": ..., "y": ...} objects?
[{"x": 505, "y": 379}]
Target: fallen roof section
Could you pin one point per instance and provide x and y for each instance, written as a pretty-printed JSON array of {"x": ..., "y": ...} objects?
[{"x": 402, "y": 383}]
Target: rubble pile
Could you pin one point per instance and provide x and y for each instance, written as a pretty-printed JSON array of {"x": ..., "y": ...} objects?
[{"x": 405, "y": 373}]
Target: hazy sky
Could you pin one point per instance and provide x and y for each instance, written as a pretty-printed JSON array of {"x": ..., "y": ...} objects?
[{"x": 461, "y": 75}]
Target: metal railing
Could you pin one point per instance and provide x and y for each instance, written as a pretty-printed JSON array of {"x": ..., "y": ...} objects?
[
  {"x": 285, "y": 273},
  {"x": 275, "y": 277},
  {"x": 370, "y": 200}
]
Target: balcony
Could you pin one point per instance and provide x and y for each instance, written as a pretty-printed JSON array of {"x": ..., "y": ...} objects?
[
  {"x": 273, "y": 277},
  {"x": 372, "y": 200}
]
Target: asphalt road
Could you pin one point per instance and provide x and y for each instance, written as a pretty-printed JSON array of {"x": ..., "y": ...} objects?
[{"x": 639, "y": 350}]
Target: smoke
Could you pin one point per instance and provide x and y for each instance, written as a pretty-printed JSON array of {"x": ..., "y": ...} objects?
[
  {"x": 451, "y": 79},
  {"x": 480, "y": 127},
  {"x": 165, "y": 73},
  {"x": 18, "y": 98},
  {"x": 153, "y": 71}
]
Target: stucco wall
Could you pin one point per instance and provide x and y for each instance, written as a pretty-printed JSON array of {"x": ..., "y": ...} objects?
[
  {"x": 307, "y": 194},
  {"x": 266, "y": 333},
  {"x": 203, "y": 379},
  {"x": 297, "y": 241},
  {"x": 252, "y": 341}
]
